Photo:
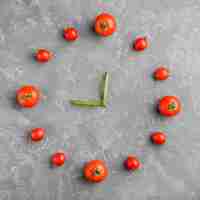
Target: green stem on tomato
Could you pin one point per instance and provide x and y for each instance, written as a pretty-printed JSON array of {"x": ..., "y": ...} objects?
[
  {"x": 26, "y": 96},
  {"x": 172, "y": 106},
  {"x": 97, "y": 172},
  {"x": 86, "y": 103}
]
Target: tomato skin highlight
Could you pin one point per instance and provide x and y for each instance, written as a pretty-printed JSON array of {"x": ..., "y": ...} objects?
[
  {"x": 105, "y": 24},
  {"x": 58, "y": 159},
  {"x": 28, "y": 96},
  {"x": 140, "y": 44},
  {"x": 132, "y": 163},
  {"x": 169, "y": 106},
  {"x": 95, "y": 171},
  {"x": 161, "y": 74},
  {"x": 158, "y": 138},
  {"x": 37, "y": 134},
  {"x": 70, "y": 34},
  {"x": 43, "y": 55}
]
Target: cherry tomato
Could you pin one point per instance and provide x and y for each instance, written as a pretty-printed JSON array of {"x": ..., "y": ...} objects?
[
  {"x": 105, "y": 24},
  {"x": 132, "y": 163},
  {"x": 43, "y": 55},
  {"x": 169, "y": 106},
  {"x": 70, "y": 34},
  {"x": 37, "y": 134},
  {"x": 95, "y": 171},
  {"x": 140, "y": 44},
  {"x": 58, "y": 159},
  {"x": 158, "y": 138},
  {"x": 28, "y": 96},
  {"x": 161, "y": 73}
]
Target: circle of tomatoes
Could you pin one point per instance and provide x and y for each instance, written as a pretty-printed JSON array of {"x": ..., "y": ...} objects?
[
  {"x": 169, "y": 106},
  {"x": 140, "y": 44},
  {"x": 158, "y": 138},
  {"x": 161, "y": 73},
  {"x": 43, "y": 55},
  {"x": 105, "y": 24},
  {"x": 70, "y": 34},
  {"x": 95, "y": 171},
  {"x": 37, "y": 134},
  {"x": 58, "y": 159},
  {"x": 28, "y": 96},
  {"x": 132, "y": 163}
]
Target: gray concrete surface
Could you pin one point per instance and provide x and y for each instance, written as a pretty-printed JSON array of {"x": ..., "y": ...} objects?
[{"x": 170, "y": 172}]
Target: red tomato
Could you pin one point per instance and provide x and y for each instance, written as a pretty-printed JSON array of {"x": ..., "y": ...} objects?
[
  {"x": 43, "y": 55},
  {"x": 95, "y": 171},
  {"x": 37, "y": 134},
  {"x": 70, "y": 34},
  {"x": 158, "y": 138},
  {"x": 169, "y": 106},
  {"x": 105, "y": 24},
  {"x": 132, "y": 163},
  {"x": 58, "y": 159},
  {"x": 28, "y": 96},
  {"x": 140, "y": 44},
  {"x": 161, "y": 73}
]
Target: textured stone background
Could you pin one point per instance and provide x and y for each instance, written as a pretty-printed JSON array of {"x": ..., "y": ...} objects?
[{"x": 169, "y": 172}]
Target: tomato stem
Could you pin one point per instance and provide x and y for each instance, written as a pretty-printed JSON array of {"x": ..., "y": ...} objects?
[
  {"x": 172, "y": 106},
  {"x": 104, "y": 25},
  {"x": 26, "y": 96},
  {"x": 97, "y": 172}
]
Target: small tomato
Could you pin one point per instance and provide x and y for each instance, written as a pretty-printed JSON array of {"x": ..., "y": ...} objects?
[
  {"x": 158, "y": 138},
  {"x": 70, "y": 34},
  {"x": 161, "y": 73},
  {"x": 140, "y": 44},
  {"x": 132, "y": 163}
]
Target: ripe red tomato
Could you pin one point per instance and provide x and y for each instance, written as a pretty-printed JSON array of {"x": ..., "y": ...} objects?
[
  {"x": 70, "y": 34},
  {"x": 105, "y": 24},
  {"x": 95, "y": 171},
  {"x": 28, "y": 96},
  {"x": 158, "y": 138},
  {"x": 161, "y": 73},
  {"x": 132, "y": 163},
  {"x": 43, "y": 55},
  {"x": 58, "y": 159},
  {"x": 140, "y": 44},
  {"x": 37, "y": 134},
  {"x": 169, "y": 106}
]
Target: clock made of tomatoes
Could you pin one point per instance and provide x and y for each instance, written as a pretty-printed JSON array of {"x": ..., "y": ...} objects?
[{"x": 28, "y": 96}]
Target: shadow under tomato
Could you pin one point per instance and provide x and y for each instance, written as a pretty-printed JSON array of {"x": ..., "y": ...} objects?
[
  {"x": 51, "y": 166},
  {"x": 155, "y": 112},
  {"x": 90, "y": 31},
  {"x": 31, "y": 56},
  {"x": 27, "y": 137},
  {"x": 81, "y": 179},
  {"x": 131, "y": 47},
  {"x": 60, "y": 34},
  {"x": 14, "y": 103}
]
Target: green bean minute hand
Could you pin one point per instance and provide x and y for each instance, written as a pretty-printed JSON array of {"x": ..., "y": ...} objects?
[{"x": 102, "y": 102}]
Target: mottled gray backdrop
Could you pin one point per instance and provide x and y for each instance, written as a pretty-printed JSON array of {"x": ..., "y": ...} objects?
[{"x": 168, "y": 172}]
